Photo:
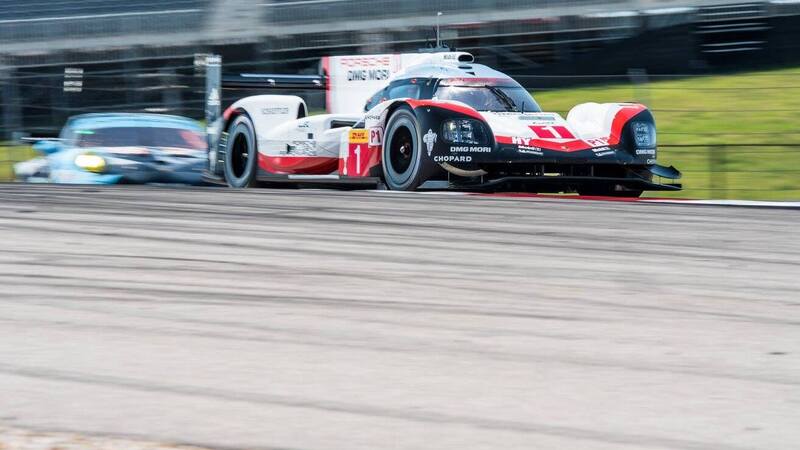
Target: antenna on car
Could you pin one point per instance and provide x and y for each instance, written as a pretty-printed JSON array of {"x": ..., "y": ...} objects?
[{"x": 440, "y": 46}]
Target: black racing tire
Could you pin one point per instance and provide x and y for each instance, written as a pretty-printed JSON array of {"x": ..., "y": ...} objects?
[
  {"x": 402, "y": 154},
  {"x": 241, "y": 154},
  {"x": 608, "y": 191}
]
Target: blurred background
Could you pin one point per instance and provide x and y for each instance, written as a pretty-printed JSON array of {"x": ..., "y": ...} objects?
[{"x": 723, "y": 78}]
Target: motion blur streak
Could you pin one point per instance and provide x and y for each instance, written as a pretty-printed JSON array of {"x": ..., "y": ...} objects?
[{"x": 330, "y": 320}]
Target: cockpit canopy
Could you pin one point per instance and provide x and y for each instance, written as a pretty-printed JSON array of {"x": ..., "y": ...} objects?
[
  {"x": 487, "y": 94},
  {"x": 482, "y": 94}
]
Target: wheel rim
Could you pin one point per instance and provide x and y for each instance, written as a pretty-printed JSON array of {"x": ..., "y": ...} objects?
[
  {"x": 240, "y": 155},
  {"x": 401, "y": 152}
]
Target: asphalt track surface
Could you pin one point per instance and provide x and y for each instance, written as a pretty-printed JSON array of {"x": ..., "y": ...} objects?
[{"x": 307, "y": 320}]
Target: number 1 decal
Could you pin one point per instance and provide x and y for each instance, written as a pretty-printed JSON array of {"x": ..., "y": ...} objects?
[{"x": 552, "y": 132}]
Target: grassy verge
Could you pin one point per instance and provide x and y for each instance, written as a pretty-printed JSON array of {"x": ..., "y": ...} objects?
[
  {"x": 10, "y": 154},
  {"x": 758, "y": 108}
]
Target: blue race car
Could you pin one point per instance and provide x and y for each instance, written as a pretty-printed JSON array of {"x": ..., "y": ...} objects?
[{"x": 117, "y": 148}]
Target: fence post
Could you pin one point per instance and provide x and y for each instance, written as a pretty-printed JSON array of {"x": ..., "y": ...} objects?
[
  {"x": 213, "y": 65},
  {"x": 10, "y": 103},
  {"x": 641, "y": 87},
  {"x": 170, "y": 93},
  {"x": 718, "y": 171},
  {"x": 132, "y": 65}
]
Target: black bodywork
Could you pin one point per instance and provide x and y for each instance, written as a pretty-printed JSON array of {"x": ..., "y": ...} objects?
[{"x": 492, "y": 165}]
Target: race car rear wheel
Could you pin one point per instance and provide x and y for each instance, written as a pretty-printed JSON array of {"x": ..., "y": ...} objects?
[
  {"x": 241, "y": 154},
  {"x": 401, "y": 157}
]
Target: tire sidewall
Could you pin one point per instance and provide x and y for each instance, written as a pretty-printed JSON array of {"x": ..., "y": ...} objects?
[
  {"x": 242, "y": 126},
  {"x": 409, "y": 181}
]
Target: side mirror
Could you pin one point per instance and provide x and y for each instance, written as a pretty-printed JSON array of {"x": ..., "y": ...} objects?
[{"x": 48, "y": 147}]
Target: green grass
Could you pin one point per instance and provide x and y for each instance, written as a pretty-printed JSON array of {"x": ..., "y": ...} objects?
[
  {"x": 747, "y": 108},
  {"x": 10, "y": 154}
]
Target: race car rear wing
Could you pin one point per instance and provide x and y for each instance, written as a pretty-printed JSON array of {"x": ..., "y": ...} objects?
[
  {"x": 270, "y": 81},
  {"x": 216, "y": 82},
  {"x": 349, "y": 80}
]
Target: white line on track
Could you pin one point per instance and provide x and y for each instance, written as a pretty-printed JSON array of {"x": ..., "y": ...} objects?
[
  {"x": 752, "y": 203},
  {"x": 677, "y": 201}
]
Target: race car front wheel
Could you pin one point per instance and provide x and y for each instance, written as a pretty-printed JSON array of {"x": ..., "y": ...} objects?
[
  {"x": 241, "y": 154},
  {"x": 401, "y": 156}
]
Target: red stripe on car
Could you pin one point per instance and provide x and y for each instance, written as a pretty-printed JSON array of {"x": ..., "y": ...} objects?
[
  {"x": 290, "y": 165},
  {"x": 620, "y": 119},
  {"x": 625, "y": 114}
]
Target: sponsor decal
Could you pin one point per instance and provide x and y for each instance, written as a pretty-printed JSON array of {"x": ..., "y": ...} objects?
[
  {"x": 552, "y": 132},
  {"x": 430, "y": 140},
  {"x": 470, "y": 149},
  {"x": 452, "y": 158},
  {"x": 537, "y": 118},
  {"x": 359, "y": 137},
  {"x": 213, "y": 97},
  {"x": 368, "y": 74},
  {"x": 530, "y": 150},
  {"x": 275, "y": 110},
  {"x": 601, "y": 149},
  {"x": 608, "y": 153},
  {"x": 597, "y": 142},
  {"x": 650, "y": 161},
  {"x": 365, "y": 61},
  {"x": 646, "y": 151},
  {"x": 375, "y": 136},
  {"x": 523, "y": 142},
  {"x": 73, "y": 80},
  {"x": 304, "y": 125},
  {"x": 301, "y": 148}
]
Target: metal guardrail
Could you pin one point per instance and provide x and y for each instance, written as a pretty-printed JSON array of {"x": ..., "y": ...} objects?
[
  {"x": 324, "y": 11},
  {"x": 163, "y": 21}
]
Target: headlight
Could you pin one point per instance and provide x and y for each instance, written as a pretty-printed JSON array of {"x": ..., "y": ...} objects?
[
  {"x": 464, "y": 131},
  {"x": 644, "y": 133},
  {"x": 91, "y": 163}
]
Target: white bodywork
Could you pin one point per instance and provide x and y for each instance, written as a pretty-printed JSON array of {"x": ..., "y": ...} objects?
[
  {"x": 590, "y": 122},
  {"x": 310, "y": 136},
  {"x": 279, "y": 131},
  {"x": 593, "y": 120},
  {"x": 352, "y": 80}
]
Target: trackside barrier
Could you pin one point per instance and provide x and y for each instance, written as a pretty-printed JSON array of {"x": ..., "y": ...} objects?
[
  {"x": 749, "y": 171},
  {"x": 737, "y": 170}
]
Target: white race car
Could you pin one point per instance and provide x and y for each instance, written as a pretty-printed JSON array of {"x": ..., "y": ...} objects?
[{"x": 433, "y": 120}]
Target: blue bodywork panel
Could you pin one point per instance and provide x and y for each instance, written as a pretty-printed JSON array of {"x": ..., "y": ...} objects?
[{"x": 179, "y": 159}]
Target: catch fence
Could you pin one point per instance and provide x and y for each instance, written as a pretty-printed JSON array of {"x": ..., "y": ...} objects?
[
  {"x": 751, "y": 171},
  {"x": 713, "y": 171},
  {"x": 730, "y": 142}
]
